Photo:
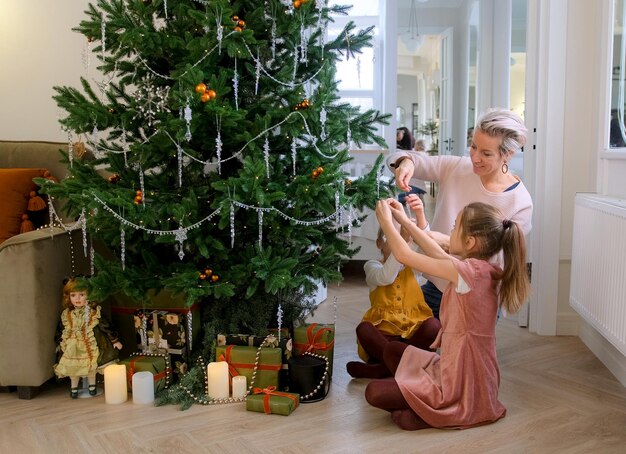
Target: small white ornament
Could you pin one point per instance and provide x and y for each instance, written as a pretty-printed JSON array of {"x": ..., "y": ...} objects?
[
  {"x": 123, "y": 246},
  {"x": 260, "y": 214},
  {"x": 236, "y": 86},
  {"x": 232, "y": 226},
  {"x": 187, "y": 116},
  {"x": 266, "y": 156}
]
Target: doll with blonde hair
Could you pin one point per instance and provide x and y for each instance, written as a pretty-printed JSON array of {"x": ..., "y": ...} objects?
[{"x": 87, "y": 341}]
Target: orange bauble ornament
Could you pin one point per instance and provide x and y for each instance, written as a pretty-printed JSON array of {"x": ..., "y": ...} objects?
[
  {"x": 215, "y": 278},
  {"x": 212, "y": 94},
  {"x": 205, "y": 97},
  {"x": 208, "y": 271},
  {"x": 297, "y": 4},
  {"x": 200, "y": 88},
  {"x": 202, "y": 277}
]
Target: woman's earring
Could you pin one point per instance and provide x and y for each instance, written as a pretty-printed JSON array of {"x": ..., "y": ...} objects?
[{"x": 505, "y": 168}]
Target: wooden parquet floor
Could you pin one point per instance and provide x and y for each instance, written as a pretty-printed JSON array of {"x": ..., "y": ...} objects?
[{"x": 560, "y": 399}]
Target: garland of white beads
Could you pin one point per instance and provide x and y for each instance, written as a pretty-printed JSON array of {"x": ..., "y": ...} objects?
[
  {"x": 321, "y": 383},
  {"x": 228, "y": 400}
]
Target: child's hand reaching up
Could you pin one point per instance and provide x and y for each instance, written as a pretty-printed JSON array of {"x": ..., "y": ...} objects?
[
  {"x": 415, "y": 203},
  {"x": 397, "y": 210},
  {"x": 383, "y": 213},
  {"x": 417, "y": 206}
]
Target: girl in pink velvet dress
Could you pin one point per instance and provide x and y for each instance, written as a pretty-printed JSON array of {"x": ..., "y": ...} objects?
[{"x": 459, "y": 387}]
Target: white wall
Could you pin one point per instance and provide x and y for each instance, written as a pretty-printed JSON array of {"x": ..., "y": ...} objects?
[
  {"x": 586, "y": 167},
  {"x": 582, "y": 93},
  {"x": 38, "y": 50}
]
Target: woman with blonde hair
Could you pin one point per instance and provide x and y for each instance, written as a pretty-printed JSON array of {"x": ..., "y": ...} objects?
[{"x": 483, "y": 176}]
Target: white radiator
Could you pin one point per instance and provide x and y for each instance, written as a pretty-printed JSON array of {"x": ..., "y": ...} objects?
[{"x": 598, "y": 278}]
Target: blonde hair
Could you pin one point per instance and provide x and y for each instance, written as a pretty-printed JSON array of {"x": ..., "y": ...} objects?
[
  {"x": 494, "y": 233},
  {"x": 505, "y": 124},
  {"x": 70, "y": 286}
]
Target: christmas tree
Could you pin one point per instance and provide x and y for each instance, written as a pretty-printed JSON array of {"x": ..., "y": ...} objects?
[{"x": 223, "y": 143}]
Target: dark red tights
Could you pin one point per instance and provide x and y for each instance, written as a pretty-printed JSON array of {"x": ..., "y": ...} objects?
[
  {"x": 374, "y": 342},
  {"x": 386, "y": 395}
]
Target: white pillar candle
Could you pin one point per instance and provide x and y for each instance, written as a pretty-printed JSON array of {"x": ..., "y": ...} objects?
[
  {"x": 240, "y": 385},
  {"x": 217, "y": 374},
  {"x": 115, "y": 391},
  {"x": 143, "y": 387}
]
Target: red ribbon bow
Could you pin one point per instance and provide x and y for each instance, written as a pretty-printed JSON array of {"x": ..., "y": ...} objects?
[
  {"x": 313, "y": 340},
  {"x": 231, "y": 369},
  {"x": 271, "y": 391}
]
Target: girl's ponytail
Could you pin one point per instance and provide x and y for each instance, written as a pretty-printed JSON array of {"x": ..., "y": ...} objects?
[{"x": 514, "y": 286}]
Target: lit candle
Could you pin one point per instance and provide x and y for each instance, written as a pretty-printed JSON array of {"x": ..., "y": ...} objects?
[
  {"x": 239, "y": 386},
  {"x": 218, "y": 379},
  {"x": 115, "y": 391},
  {"x": 143, "y": 387}
]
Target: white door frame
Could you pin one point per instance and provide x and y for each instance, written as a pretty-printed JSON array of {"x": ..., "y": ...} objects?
[
  {"x": 446, "y": 92},
  {"x": 545, "y": 103}
]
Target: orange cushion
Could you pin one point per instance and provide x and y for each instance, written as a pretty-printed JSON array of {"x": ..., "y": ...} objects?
[{"x": 15, "y": 188}]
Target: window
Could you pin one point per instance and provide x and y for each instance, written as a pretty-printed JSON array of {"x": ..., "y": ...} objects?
[
  {"x": 617, "y": 131},
  {"x": 360, "y": 77}
]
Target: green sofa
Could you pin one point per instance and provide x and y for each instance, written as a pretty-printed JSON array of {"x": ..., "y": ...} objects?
[{"x": 33, "y": 266}]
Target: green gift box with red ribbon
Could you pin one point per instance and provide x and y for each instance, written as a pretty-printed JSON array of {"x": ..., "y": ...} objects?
[
  {"x": 315, "y": 338},
  {"x": 158, "y": 364},
  {"x": 242, "y": 359},
  {"x": 270, "y": 401}
]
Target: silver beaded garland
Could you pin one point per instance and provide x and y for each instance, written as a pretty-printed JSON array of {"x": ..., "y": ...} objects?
[
  {"x": 324, "y": 377},
  {"x": 204, "y": 400}
]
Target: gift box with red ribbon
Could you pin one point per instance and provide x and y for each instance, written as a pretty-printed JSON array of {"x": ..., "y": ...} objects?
[
  {"x": 315, "y": 338},
  {"x": 157, "y": 363},
  {"x": 241, "y": 361},
  {"x": 285, "y": 343},
  {"x": 270, "y": 401}
]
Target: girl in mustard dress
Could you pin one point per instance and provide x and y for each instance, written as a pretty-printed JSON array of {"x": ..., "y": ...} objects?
[
  {"x": 86, "y": 341},
  {"x": 458, "y": 388},
  {"x": 398, "y": 310}
]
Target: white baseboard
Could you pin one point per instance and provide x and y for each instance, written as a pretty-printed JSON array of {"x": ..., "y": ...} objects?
[
  {"x": 604, "y": 351},
  {"x": 567, "y": 324}
]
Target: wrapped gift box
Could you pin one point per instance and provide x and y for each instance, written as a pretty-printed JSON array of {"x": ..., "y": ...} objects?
[
  {"x": 315, "y": 338},
  {"x": 157, "y": 363},
  {"x": 241, "y": 361},
  {"x": 270, "y": 401},
  {"x": 285, "y": 343},
  {"x": 176, "y": 329},
  {"x": 179, "y": 330}
]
